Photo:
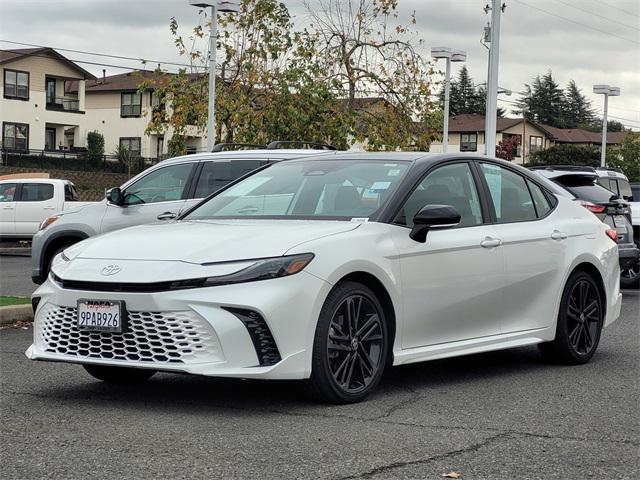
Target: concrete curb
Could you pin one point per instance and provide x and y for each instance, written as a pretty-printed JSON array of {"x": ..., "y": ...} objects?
[{"x": 16, "y": 313}]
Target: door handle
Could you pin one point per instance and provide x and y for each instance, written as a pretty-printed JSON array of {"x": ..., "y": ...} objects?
[
  {"x": 167, "y": 216},
  {"x": 7, "y": 207},
  {"x": 490, "y": 242},
  {"x": 558, "y": 235},
  {"x": 49, "y": 207}
]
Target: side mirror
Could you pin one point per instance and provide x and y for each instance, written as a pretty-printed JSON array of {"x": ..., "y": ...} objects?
[
  {"x": 115, "y": 196},
  {"x": 431, "y": 217}
]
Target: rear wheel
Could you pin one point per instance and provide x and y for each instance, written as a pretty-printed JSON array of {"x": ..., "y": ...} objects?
[
  {"x": 630, "y": 276},
  {"x": 119, "y": 375},
  {"x": 580, "y": 322},
  {"x": 350, "y": 346}
]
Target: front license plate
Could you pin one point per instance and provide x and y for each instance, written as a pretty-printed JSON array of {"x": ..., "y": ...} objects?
[
  {"x": 619, "y": 221},
  {"x": 101, "y": 315}
]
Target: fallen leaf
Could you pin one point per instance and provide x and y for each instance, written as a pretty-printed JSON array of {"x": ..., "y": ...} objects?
[{"x": 452, "y": 475}]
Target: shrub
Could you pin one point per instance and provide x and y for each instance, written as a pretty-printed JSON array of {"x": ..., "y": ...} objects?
[{"x": 95, "y": 146}]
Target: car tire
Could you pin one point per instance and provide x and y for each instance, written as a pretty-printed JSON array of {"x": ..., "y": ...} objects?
[
  {"x": 630, "y": 277},
  {"x": 580, "y": 321},
  {"x": 350, "y": 347},
  {"x": 119, "y": 375}
]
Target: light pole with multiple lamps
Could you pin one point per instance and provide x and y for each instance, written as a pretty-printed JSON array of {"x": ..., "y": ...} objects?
[
  {"x": 607, "y": 91},
  {"x": 216, "y": 6},
  {"x": 450, "y": 56}
]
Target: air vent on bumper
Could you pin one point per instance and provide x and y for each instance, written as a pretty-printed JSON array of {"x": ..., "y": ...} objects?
[{"x": 263, "y": 341}]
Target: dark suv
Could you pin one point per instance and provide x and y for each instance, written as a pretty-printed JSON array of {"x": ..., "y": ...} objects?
[{"x": 584, "y": 185}]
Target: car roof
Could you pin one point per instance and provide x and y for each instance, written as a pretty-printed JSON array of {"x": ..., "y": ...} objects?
[
  {"x": 34, "y": 180},
  {"x": 246, "y": 155},
  {"x": 550, "y": 173}
]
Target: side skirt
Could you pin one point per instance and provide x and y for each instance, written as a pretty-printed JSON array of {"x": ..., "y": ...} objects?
[{"x": 474, "y": 345}]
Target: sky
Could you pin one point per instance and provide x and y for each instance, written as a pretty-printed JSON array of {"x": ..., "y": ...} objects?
[{"x": 590, "y": 41}]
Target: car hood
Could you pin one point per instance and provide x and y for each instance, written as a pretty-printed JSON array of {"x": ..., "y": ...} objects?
[{"x": 206, "y": 241}]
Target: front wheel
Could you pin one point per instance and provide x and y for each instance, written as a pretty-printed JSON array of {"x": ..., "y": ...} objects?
[
  {"x": 350, "y": 346},
  {"x": 580, "y": 321},
  {"x": 119, "y": 375}
]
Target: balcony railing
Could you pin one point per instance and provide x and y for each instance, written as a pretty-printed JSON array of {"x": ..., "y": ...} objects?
[{"x": 63, "y": 103}]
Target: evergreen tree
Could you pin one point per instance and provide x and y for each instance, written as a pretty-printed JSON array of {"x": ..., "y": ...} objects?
[
  {"x": 465, "y": 97},
  {"x": 578, "y": 109}
]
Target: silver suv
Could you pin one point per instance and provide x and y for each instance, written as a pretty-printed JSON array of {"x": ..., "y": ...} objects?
[{"x": 161, "y": 192}]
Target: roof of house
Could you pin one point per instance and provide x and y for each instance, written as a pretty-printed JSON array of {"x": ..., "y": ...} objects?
[
  {"x": 579, "y": 135},
  {"x": 8, "y": 56},
  {"x": 475, "y": 123}
]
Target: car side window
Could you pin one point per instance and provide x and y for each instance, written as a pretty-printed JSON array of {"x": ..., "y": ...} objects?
[
  {"x": 625, "y": 189},
  {"x": 448, "y": 185},
  {"x": 216, "y": 175},
  {"x": 7, "y": 192},
  {"x": 541, "y": 202},
  {"x": 162, "y": 185},
  {"x": 36, "y": 192},
  {"x": 511, "y": 199},
  {"x": 70, "y": 194}
]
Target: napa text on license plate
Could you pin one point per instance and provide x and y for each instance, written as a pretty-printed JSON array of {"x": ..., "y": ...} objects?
[{"x": 101, "y": 315}]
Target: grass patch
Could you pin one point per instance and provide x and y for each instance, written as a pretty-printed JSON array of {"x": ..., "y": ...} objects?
[{"x": 6, "y": 301}]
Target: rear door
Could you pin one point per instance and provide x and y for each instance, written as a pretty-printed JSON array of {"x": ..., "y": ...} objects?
[
  {"x": 37, "y": 201},
  {"x": 8, "y": 208},
  {"x": 535, "y": 243},
  {"x": 160, "y": 194}
]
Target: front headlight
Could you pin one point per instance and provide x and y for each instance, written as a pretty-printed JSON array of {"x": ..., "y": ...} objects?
[
  {"x": 48, "y": 221},
  {"x": 262, "y": 269}
]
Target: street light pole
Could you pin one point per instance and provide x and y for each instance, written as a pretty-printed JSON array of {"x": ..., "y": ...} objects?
[
  {"x": 607, "y": 91},
  {"x": 449, "y": 56},
  {"x": 216, "y": 6},
  {"x": 211, "y": 118},
  {"x": 491, "y": 110}
]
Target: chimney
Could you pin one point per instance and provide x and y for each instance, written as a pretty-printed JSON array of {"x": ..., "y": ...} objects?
[{"x": 104, "y": 74}]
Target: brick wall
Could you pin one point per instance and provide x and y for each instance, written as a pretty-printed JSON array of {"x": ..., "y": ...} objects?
[{"x": 90, "y": 185}]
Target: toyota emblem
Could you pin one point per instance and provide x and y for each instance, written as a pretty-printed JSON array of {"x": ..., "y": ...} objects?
[{"x": 111, "y": 269}]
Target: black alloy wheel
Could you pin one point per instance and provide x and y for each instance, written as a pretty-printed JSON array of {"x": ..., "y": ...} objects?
[
  {"x": 630, "y": 276},
  {"x": 350, "y": 346},
  {"x": 580, "y": 321}
]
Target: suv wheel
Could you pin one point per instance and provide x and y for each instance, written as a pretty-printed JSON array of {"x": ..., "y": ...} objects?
[{"x": 630, "y": 276}]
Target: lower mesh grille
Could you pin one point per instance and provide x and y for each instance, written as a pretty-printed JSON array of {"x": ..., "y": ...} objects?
[{"x": 158, "y": 337}]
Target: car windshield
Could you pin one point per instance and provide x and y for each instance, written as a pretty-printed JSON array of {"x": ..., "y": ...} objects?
[
  {"x": 328, "y": 189},
  {"x": 585, "y": 188}
]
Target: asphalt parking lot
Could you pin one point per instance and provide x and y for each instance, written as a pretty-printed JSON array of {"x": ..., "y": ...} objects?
[
  {"x": 501, "y": 415},
  {"x": 15, "y": 278}
]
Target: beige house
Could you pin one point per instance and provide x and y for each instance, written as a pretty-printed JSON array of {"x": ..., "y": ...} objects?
[
  {"x": 37, "y": 109},
  {"x": 117, "y": 110},
  {"x": 466, "y": 134}
]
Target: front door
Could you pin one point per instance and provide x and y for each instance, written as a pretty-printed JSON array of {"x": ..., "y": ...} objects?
[
  {"x": 452, "y": 284},
  {"x": 49, "y": 138},
  {"x": 163, "y": 190}
]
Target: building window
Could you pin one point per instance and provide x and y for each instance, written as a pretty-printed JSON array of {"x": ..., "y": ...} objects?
[
  {"x": 535, "y": 144},
  {"x": 15, "y": 136},
  {"x": 16, "y": 84},
  {"x": 468, "y": 142},
  {"x": 131, "y": 144},
  {"x": 130, "y": 104}
]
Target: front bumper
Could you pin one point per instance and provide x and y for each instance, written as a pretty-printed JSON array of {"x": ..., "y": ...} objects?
[{"x": 193, "y": 331}]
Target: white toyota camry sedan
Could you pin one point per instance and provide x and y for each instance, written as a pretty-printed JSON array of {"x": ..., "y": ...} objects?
[{"x": 331, "y": 269}]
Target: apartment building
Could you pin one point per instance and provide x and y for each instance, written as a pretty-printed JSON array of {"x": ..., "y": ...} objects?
[
  {"x": 38, "y": 111},
  {"x": 121, "y": 113}
]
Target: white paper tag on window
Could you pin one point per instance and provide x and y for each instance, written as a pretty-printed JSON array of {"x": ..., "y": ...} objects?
[{"x": 360, "y": 219}]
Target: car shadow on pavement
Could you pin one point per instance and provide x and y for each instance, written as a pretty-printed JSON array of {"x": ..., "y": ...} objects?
[{"x": 197, "y": 393}]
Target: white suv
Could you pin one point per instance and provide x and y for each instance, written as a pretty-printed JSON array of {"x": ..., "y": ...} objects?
[{"x": 161, "y": 192}]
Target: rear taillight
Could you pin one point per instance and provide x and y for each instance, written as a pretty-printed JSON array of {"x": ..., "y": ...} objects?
[
  {"x": 592, "y": 207},
  {"x": 612, "y": 234}
]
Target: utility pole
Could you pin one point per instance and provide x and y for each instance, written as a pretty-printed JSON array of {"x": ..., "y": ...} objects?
[{"x": 491, "y": 109}]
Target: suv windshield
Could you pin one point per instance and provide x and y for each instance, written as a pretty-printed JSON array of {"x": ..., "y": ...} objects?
[
  {"x": 308, "y": 189},
  {"x": 585, "y": 187}
]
